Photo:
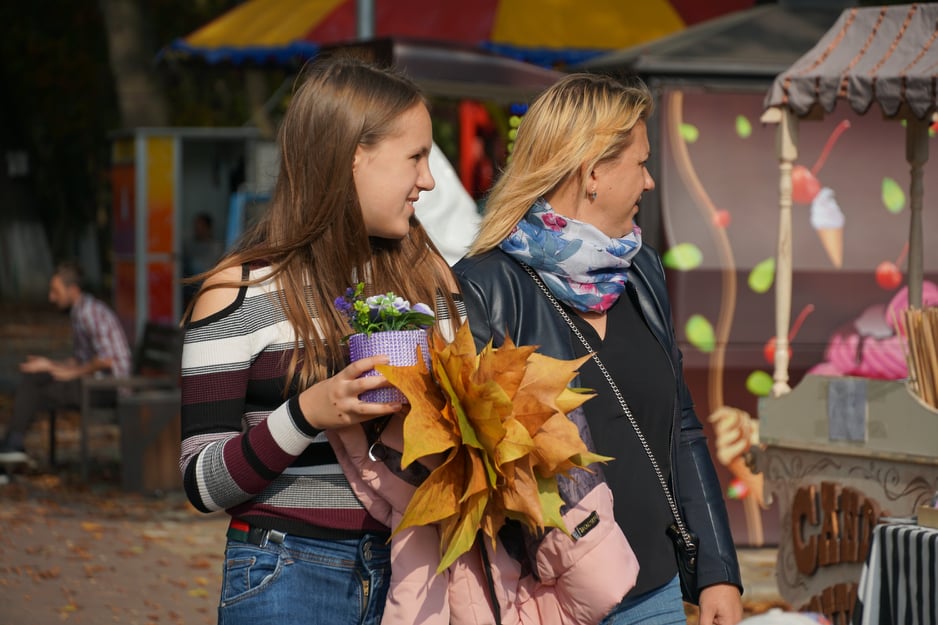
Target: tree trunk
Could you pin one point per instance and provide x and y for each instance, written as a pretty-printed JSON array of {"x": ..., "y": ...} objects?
[
  {"x": 141, "y": 100},
  {"x": 256, "y": 90}
]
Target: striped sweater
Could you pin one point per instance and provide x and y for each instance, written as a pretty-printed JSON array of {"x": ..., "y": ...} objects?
[{"x": 246, "y": 449}]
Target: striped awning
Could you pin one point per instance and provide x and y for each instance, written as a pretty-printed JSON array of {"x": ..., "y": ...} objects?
[
  {"x": 544, "y": 32},
  {"x": 884, "y": 54}
]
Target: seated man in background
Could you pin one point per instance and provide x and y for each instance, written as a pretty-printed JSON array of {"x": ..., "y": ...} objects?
[{"x": 99, "y": 344}]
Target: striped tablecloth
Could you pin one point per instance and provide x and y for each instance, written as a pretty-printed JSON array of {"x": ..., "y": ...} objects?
[{"x": 899, "y": 581}]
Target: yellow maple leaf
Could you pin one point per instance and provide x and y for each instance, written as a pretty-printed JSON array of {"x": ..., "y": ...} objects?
[
  {"x": 547, "y": 378},
  {"x": 476, "y": 475},
  {"x": 462, "y": 533},
  {"x": 501, "y": 414},
  {"x": 521, "y": 495},
  {"x": 505, "y": 365},
  {"x": 551, "y": 502},
  {"x": 438, "y": 497},
  {"x": 558, "y": 444},
  {"x": 484, "y": 406},
  {"x": 516, "y": 443},
  {"x": 424, "y": 430}
]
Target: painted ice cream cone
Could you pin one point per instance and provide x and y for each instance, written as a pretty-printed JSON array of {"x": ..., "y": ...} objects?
[
  {"x": 828, "y": 221},
  {"x": 833, "y": 241}
]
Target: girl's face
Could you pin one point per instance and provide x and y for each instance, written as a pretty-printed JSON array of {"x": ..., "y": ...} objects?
[{"x": 390, "y": 175}]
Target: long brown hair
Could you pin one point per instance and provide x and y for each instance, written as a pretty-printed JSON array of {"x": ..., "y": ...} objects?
[{"x": 313, "y": 235}]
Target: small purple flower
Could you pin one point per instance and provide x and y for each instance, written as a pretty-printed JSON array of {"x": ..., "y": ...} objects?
[
  {"x": 343, "y": 306},
  {"x": 381, "y": 312}
]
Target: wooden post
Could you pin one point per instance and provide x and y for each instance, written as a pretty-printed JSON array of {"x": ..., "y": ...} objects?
[
  {"x": 787, "y": 147},
  {"x": 916, "y": 153}
]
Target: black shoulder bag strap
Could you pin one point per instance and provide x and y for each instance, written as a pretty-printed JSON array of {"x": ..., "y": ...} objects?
[{"x": 685, "y": 543}]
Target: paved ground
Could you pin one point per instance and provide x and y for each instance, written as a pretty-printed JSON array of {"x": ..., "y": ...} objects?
[{"x": 91, "y": 554}]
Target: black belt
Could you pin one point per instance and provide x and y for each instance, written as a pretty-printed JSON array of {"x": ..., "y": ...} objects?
[{"x": 246, "y": 533}]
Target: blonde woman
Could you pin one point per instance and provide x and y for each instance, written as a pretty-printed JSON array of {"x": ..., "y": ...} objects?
[{"x": 559, "y": 257}]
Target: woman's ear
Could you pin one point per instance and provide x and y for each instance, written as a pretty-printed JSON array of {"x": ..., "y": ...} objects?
[{"x": 587, "y": 176}]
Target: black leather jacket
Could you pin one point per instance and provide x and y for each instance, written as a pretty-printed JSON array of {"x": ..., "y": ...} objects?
[{"x": 500, "y": 296}]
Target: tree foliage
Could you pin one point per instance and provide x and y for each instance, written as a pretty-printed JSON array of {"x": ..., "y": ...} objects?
[{"x": 60, "y": 104}]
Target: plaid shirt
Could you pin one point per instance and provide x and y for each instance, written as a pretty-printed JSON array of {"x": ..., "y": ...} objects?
[{"x": 97, "y": 333}]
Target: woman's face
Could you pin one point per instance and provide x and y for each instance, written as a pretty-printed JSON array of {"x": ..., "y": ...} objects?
[
  {"x": 390, "y": 175},
  {"x": 619, "y": 186}
]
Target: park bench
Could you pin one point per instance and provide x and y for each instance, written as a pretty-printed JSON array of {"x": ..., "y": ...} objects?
[{"x": 144, "y": 405}]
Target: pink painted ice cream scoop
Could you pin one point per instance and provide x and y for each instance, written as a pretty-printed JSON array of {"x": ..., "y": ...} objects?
[{"x": 874, "y": 347}]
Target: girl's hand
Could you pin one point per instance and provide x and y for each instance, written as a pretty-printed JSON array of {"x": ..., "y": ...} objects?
[{"x": 333, "y": 403}]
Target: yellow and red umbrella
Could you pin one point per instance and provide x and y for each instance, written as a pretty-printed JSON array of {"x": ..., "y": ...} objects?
[{"x": 544, "y": 32}]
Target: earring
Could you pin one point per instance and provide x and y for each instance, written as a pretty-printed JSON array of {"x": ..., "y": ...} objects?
[{"x": 592, "y": 196}]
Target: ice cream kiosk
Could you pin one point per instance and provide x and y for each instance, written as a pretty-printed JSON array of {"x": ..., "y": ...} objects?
[{"x": 841, "y": 454}]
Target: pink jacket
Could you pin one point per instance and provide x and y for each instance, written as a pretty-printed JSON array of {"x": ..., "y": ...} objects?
[{"x": 577, "y": 581}]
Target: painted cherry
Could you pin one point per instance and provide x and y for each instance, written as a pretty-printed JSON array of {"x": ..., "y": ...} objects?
[
  {"x": 768, "y": 352},
  {"x": 804, "y": 182},
  {"x": 722, "y": 218},
  {"x": 888, "y": 275},
  {"x": 804, "y": 185}
]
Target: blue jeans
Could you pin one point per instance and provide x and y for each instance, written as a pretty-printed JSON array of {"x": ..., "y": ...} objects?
[
  {"x": 305, "y": 581},
  {"x": 662, "y": 606}
]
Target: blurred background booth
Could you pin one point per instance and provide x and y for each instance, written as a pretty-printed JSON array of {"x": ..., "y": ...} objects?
[
  {"x": 855, "y": 442},
  {"x": 713, "y": 212},
  {"x": 162, "y": 179}
]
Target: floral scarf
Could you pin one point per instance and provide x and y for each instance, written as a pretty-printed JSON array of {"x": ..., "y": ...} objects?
[{"x": 580, "y": 265}]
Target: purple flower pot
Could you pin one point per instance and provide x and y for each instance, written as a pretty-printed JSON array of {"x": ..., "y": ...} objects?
[{"x": 400, "y": 346}]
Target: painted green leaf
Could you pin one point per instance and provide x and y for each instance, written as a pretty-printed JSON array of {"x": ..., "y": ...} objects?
[
  {"x": 700, "y": 333},
  {"x": 743, "y": 126},
  {"x": 759, "y": 383},
  {"x": 682, "y": 257},
  {"x": 893, "y": 195},
  {"x": 690, "y": 133},
  {"x": 762, "y": 275}
]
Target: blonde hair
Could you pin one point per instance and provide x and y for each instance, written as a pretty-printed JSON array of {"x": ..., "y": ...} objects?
[
  {"x": 313, "y": 235},
  {"x": 580, "y": 121}
]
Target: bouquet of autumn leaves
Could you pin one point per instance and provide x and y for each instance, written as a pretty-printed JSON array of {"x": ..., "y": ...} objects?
[{"x": 499, "y": 417}]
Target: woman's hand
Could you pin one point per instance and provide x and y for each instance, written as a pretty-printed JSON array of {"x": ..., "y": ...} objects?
[
  {"x": 333, "y": 403},
  {"x": 720, "y": 604}
]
